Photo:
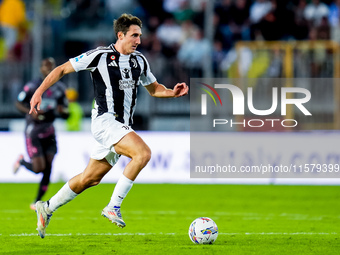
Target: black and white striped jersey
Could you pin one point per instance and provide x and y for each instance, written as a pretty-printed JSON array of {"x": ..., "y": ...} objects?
[{"x": 115, "y": 77}]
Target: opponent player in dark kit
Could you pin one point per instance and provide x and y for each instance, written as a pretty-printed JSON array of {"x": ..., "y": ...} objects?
[{"x": 40, "y": 135}]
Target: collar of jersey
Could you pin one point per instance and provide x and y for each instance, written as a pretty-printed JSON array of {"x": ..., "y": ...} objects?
[{"x": 112, "y": 46}]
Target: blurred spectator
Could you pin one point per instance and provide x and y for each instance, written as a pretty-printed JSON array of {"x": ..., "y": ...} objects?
[
  {"x": 170, "y": 34},
  {"x": 315, "y": 11},
  {"x": 184, "y": 12},
  {"x": 334, "y": 20},
  {"x": 188, "y": 30},
  {"x": 116, "y": 8},
  {"x": 223, "y": 11},
  {"x": 85, "y": 12},
  {"x": 153, "y": 8},
  {"x": 74, "y": 121},
  {"x": 300, "y": 29},
  {"x": 324, "y": 30},
  {"x": 223, "y": 14},
  {"x": 152, "y": 24},
  {"x": 239, "y": 20},
  {"x": 258, "y": 11},
  {"x": 334, "y": 13},
  {"x": 199, "y": 12},
  {"x": 269, "y": 26},
  {"x": 193, "y": 53},
  {"x": 172, "y": 6},
  {"x": 151, "y": 44},
  {"x": 237, "y": 64},
  {"x": 219, "y": 55},
  {"x": 276, "y": 66},
  {"x": 197, "y": 5},
  {"x": 12, "y": 19},
  {"x": 317, "y": 55}
]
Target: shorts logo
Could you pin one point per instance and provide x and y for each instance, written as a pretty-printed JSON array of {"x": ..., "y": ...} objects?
[{"x": 126, "y": 127}]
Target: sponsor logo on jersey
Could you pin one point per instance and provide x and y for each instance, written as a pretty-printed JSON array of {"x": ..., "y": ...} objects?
[
  {"x": 80, "y": 57},
  {"x": 113, "y": 63},
  {"x": 126, "y": 73},
  {"x": 126, "y": 84}
]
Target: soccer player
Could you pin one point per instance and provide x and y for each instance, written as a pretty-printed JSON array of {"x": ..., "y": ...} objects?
[
  {"x": 40, "y": 135},
  {"x": 117, "y": 71}
]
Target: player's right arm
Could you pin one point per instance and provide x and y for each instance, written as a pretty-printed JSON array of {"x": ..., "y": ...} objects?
[{"x": 52, "y": 78}]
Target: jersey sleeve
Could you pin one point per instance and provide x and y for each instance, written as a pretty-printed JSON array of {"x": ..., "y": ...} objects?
[
  {"x": 147, "y": 76},
  {"x": 86, "y": 61}
]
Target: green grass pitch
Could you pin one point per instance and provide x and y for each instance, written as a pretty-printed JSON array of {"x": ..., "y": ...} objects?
[{"x": 252, "y": 219}]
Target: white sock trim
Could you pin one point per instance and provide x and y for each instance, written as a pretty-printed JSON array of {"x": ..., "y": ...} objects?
[
  {"x": 63, "y": 196},
  {"x": 120, "y": 191}
]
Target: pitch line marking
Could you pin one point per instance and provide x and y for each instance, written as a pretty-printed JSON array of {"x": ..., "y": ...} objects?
[{"x": 145, "y": 234}]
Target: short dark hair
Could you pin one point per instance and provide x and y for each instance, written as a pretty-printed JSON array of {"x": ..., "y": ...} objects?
[
  {"x": 49, "y": 60},
  {"x": 123, "y": 23}
]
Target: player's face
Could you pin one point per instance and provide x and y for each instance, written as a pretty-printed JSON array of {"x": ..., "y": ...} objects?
[
  {"x": 46, "y": 67},
  {"x": 131, "y": 39}
]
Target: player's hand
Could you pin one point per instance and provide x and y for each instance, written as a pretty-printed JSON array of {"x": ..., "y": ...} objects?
[
  {"x": 35, "y": 103},
  {"x": 38, "y": 115},
  {"x": 181, "y": 89}
]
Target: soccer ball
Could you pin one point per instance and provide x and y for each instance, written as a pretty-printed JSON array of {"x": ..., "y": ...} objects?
[{"x": 203, "y": 230}]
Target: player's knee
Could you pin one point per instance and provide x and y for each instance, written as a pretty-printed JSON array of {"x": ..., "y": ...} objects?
[
  {"x": 144, "y": 156},
  {"x": 38, "y": 169}
]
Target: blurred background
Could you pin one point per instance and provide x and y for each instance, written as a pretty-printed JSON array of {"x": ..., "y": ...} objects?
[{"x": 182, "y": 39}]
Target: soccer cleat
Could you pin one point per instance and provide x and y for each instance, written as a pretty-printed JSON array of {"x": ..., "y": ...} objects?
[
  {"x": 32, "y": 206},
  {"x": 17, "y": 164},
  {"x": 43, "y": 218},
  {"x": 114, "y": 215}
]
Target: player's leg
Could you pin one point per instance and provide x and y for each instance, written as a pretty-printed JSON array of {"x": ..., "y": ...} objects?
[
  {"x": 35, "y": 150},
  {"x": 92, "y": 175},
  {"x": 21, "y": 162},
  {"x": 49, "y": 149},
  {"x": 36, "y": 165},
  {"x": 45, "y": 180},
  {"x": 42, "y": 159},
  {"x": 135, "y": 148},
  {"x": 132, "y": 146}
]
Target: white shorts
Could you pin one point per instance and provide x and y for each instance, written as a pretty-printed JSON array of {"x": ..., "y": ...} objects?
[{"x": 107, "y": 132}]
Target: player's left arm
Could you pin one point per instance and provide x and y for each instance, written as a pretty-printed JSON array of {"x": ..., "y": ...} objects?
[
  {"x": 54, "y": 76},
  {"x": 156, "y": 89}
]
